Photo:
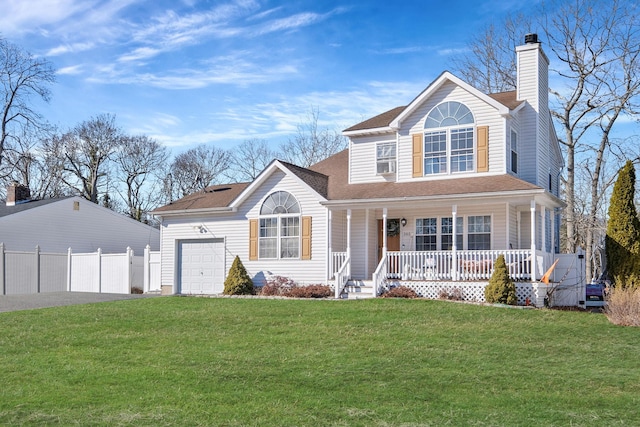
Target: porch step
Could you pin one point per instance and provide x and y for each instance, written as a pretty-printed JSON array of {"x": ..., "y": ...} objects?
[{"x": 358, "y": 289}]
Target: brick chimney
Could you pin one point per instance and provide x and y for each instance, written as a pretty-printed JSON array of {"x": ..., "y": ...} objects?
[{"x": 17, "y": 193}]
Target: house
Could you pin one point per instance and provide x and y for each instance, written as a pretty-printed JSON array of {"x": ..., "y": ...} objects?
[
  {"x": 55, "y": 225},
  {"x": 427, "y": 195}
]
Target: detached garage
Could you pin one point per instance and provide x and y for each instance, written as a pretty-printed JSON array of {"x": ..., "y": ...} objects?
[{"x": 201, "y": 266}]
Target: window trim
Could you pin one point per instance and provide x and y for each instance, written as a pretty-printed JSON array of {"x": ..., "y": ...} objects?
[
  {"x": 280, "y": 217},
  {"x": 391, "y": 162},
  {"x": 433, "y": 127},
  {"x": 460, "y": 232}
]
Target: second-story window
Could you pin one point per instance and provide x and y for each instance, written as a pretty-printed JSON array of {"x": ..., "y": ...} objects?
[
  {"x": 449, "y": 139},
  {"x": 514, "y": 151},
  {"x": 386, "y": 158}
]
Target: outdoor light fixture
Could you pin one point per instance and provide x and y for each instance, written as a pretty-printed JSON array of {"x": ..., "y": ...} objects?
[{"x": 403, "y": 221}]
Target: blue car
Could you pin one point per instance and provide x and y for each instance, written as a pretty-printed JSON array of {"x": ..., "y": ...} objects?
[{"x": 595, "y": 292}]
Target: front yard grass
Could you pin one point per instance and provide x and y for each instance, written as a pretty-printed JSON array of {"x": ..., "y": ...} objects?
[{"x": 256, "y": 362}]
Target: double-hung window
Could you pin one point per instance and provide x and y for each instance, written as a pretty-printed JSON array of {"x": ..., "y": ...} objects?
[
  {"x": 449, "y": 139},
  {"x": 279, "y": 231},
  {"x": 479, "y": 232},
  {"x": 386, "y": 158},
  {"x": 426, "y": 234}
]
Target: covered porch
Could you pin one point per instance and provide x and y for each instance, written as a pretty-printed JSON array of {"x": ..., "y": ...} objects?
[{"x": 432, "y": 245}]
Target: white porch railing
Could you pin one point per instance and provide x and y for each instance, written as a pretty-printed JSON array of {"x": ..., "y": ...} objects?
[
  {"x": 379, "y": 277},
  {"x": 468, "y": 265},
  {"x": 337, "y": 261},
  {"x": 342, "y": 276}
]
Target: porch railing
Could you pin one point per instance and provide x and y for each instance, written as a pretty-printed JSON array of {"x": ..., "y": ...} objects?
[
  {"x": 466, "y": 265},
  {"x": 379, "y": 276},
  {"x": 342, "y": 276},
  {"x": 337, "y": 260}
]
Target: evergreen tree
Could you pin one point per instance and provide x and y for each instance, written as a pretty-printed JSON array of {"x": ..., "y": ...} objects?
[
  {"x": 501, "y": 288},
  {"x": 238, "y": 281},
  {"x": 623, "y": 231}
]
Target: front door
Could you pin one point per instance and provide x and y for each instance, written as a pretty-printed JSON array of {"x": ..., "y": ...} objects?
[{"x": 393, "y": 236}]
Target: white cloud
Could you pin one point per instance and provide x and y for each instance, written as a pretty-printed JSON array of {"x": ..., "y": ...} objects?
[
  {"x": 72, "y": 70},
  {"x": 70, "y": 48},
  {"x": 20, "y": 16}
]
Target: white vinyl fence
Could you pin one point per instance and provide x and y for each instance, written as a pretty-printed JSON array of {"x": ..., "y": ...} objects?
[{"x": 38, "y": 272}]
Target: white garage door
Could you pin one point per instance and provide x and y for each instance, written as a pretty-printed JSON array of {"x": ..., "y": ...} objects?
[{"x": 201, "y": 266}]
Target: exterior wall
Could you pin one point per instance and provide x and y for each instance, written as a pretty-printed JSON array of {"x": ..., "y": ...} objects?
[
  {"x": 234, "y": 228},
  {"x": 362, "y": 159},
  {"x": 57, "y": 226},
  {"x": 484, "y": 115}
]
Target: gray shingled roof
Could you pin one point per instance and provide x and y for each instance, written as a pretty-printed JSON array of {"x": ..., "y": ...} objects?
[{"x": 21, "y": 207}]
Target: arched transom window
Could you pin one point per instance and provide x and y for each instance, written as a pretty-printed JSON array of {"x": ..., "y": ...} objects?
[
  {"x": 279, "y": 235},
  {"x": 448, "y": 139}
]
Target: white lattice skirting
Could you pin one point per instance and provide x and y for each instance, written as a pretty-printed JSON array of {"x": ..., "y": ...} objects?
[{"x": 471, "y": 291}]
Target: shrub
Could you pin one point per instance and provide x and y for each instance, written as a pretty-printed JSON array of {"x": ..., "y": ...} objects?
[
  {"x": 623, "y": 306},
  {"x": 400, "y": 292},
  {"x": 311, "y": 291},
  {"x": 136, "y": 290},
  {"x": 238, "y": 281},
  {"x": 453, "y": 294},
  {"x": 501, "y": 288},
  {"x": 277, "y": 285},
  {"x": 622, "y": 241}
]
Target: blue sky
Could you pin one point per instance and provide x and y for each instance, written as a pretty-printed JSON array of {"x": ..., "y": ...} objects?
[{"x": 187, "y": 72}]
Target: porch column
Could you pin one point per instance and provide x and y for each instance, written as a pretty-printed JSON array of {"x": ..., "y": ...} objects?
[
  {"x": 330, "y": 267},
  {"x": 384, "y": 232},
  {"x": 366, "y": 242},
  {"x": 348, "y": 232},
  {"x": 533, "y": 241},
  {"x": 553, "y": 231},
  {"x": 543, "y": 214},
  {"x": 454, "y": 246}
]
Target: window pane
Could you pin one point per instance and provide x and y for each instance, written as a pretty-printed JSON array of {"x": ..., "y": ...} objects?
[
  {"x": 479, "y": 236},
  {"x": 268, "y": 248},
  {"x": 462, "y": 150},
  {"x": 426, "y": 230},
  {"x": 289, "y": 247},
  {"x": 386, "y": 157}
]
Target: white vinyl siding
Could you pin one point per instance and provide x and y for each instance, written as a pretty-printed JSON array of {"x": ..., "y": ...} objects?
[
  {"x": 363, "y": 160},
  {"x": 484, "y": 115},
  {"x": 234, "y": 227}
]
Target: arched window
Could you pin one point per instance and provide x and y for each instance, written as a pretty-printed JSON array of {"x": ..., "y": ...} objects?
[
  {"x": 279, "y": 235},
  {"x": 448, "y": 139}
]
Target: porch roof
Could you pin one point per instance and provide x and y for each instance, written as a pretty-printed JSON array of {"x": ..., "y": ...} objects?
[{"x": 336, "y": 168}]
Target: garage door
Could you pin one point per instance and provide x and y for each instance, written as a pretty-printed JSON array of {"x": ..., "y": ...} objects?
[{"x": 201, "y": 266}]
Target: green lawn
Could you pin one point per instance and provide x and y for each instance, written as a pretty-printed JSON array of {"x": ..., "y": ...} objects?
[{"x": 244, "y": 362}]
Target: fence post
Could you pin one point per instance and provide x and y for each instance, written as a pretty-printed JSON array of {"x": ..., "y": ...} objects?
[
  {"x": 99, "y": 256},
  {"x": 147, "y": 269},
  {"x": 69, "y": 270},
  {"x": 37, "y": 258},
  {"x": 2, "y": 264},
  {"x": 129, "y": 269}
]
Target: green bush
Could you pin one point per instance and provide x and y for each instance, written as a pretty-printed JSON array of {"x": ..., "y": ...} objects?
[
  {"x": 238, "y": 281},
  {"x": 622, "y": 242},
  {"x": 501, "y": 288}
]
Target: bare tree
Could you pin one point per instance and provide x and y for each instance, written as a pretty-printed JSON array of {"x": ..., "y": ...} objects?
[
  {"x": 141, "y": 163},
  {"x": 87, "y": 152},
  {"x": 490, "y": 63},
  {"x": 21, "y": 76},
  {"x": 598, "y": 46},
  {"x": 594, "y": 49},
  {"x": 250, "y": 158},
  {"x": 196, "y": 169},
  {"x": 312, "y": 143},
  {"x": 26, "y": 162}
]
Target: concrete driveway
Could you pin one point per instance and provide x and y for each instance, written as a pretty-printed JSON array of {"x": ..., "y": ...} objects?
[{"x": 56, "y": 299}]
